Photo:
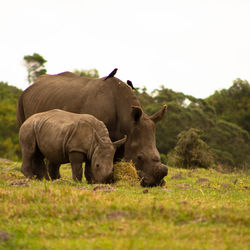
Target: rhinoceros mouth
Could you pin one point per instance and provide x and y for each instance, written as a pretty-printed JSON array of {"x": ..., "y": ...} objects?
[
  {"x": 107, "y": 180},
  {"x": 144, "y": 183}
]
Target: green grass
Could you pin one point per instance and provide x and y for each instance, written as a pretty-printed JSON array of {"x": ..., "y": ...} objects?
[{"x": 185, "y": 214}]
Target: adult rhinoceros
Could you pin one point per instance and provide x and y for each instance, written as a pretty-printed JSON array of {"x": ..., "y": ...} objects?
[{"x": 111, "y": 101}]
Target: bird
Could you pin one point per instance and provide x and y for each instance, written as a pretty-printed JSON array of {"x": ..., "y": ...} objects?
[
  {"x": 111, "y": 74},
  {"x": 130, "y": 84}
]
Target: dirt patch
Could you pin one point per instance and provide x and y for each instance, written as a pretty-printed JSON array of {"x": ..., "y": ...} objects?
[
  {"x": 116, "y": 215},
  {"x": 195, "y": 170},
  {"x": 183, "y": 186},
  {"x": 235, "y": 181},
  {"x": 4, "y": 160},
  {"x": 4, "y": 235},
  {"x": 202, "y": 180},
  {"x": 198, "y": 220},
  {"x": 225, "y": 186},
  {"x": 83, "y": 188},
  {"x": 166, "y": 189},
  {"x": 104, "y": 188},
  {"x": 62, "y": 181},
  {"x": 20, "y": 182},
  {"x": 183, "y": 203},
  {"x": 177, "y": 177}
]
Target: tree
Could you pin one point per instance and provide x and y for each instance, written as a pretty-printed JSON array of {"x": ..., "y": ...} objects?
[
  {"x": 191, "y": 151},
  {"x": 35, "y": 66},
  {"x": 233, "y": 104},
  {"x": 229, "y": 143},
  {"x": 9, "y": 147},
  {"x": 183, "y": 112},
  {"x": 91, "y": 73}
]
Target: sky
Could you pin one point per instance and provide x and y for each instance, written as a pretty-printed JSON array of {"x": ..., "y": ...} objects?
[{"x": 194, "y": 46}]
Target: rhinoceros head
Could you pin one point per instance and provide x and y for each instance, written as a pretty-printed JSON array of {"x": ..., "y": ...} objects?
[
  {"x": 141, "y": 147},
  {"x": 102, "y": 160}
]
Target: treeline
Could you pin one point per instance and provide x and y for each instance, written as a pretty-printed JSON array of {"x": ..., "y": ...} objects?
[
  {"x": 9, "y": 147},
  {"x": 219, "y": 125},
  {"x": 222, "y": 122}
]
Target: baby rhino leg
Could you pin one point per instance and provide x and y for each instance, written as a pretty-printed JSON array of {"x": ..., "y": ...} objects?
[
  {"x": 53, "y": 170},
  {"x": 87, "y": 172},
  {"x": 76, "y": 159},
  {"x": 38, "y": 165},
  {"x": 33, "y": 164},
  {"x": 28, "y": 146},
  {"x": 26, "y": 167}
]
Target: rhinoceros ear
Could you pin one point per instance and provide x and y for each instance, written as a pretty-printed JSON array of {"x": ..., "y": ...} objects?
[
  {"x": 158, "y": 115},
  {"x": 98, "y": 138},
  {"x": 136, "y": 113},
  {"x": 118, "y": 143}
]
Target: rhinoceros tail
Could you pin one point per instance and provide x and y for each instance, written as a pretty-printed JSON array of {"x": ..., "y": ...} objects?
[{"x": 20, "y": 112}]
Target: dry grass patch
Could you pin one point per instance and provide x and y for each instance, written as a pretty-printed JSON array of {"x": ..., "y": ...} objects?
[{"x": 126, "y": 172}]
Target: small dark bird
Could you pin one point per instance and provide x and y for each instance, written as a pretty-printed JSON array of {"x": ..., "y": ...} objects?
[
  {"x": 130, "y": 84},
  {"x": 112, "y": 74}
]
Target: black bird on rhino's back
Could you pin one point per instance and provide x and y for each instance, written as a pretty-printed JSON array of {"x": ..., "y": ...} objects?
[
  {"x": 130, "y": 84},
  {"x": 112, "y": 74}
]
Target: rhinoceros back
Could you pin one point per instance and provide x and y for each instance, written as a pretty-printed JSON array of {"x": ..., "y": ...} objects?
[
  {"x": 109, "y": 101},
  {"x": 58, "y": 132}
]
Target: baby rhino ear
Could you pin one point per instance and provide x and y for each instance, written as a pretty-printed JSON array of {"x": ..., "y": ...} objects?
[
  {"x": 98, "y": 138},
  {"x": 159, "y": 115},
  {"x": 118, "y": 143}
]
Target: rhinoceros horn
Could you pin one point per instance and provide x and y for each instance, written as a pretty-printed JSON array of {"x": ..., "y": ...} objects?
[{"x": 118, "y": 143}]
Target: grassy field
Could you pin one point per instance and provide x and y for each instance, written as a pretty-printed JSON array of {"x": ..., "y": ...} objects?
[{"x": 197, "y": 209}]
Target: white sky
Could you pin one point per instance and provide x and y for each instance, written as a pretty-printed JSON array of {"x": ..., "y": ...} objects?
[{"x": 191, "y": 46}]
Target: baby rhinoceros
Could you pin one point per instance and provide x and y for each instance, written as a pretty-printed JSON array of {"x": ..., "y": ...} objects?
[{"x": 62, "y": 137}]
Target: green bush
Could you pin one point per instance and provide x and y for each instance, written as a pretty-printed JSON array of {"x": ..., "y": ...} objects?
[{"x": 191, "y": 151}]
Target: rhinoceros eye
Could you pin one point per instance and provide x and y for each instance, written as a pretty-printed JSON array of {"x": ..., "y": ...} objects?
[
  {"x": 97, "y": 165},
  {"x": 139, "y": 158}
]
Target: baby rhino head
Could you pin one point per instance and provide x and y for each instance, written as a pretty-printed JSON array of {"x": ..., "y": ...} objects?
[{"x": 102, "y": 160}]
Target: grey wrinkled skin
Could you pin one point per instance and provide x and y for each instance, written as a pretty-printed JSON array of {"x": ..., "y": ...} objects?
[
  {"x": 63, "y": 137},
  {"x": 111, "y": 101}
]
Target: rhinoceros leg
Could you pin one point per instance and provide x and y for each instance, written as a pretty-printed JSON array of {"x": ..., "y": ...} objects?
[
  {"x": 87, "y": 172},
  {"x": 53, "y": 170},
  {"x": 38, "y": 165},
  {"x": 33, "y": 164},
  {"x": 28, "y": 146},
  {"x": 26, "y": 167},
  {"x": 76, "y": 159}
]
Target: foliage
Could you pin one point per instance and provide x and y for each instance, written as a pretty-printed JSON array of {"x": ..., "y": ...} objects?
[
  {"x": 91, "y": 73},
  {"x": 186, "y": 214},
  {"x": 229, "y": 143},
  {"x": 233, "y": 104},
  {"x": 191, "y": 151},
  {"x": 9, "y": 147},
  {"x": 35, "y": 66}
]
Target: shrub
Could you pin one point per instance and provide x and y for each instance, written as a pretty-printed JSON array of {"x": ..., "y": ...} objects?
[{"x": 191, "y": 151}]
